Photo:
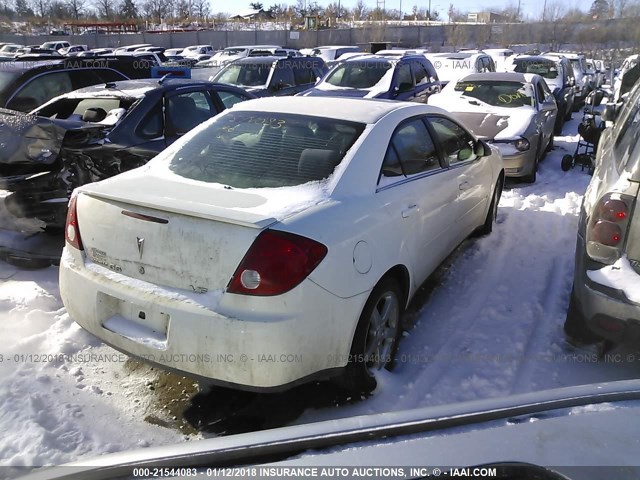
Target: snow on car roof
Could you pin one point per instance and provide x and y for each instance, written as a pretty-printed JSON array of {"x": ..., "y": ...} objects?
[
  {"x": 349, "y": 109},
  {"x": 127, "y": 88},
  {"x": 498, "y": 77}
]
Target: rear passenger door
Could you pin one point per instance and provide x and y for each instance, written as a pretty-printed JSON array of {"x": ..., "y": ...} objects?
[
  {"x": 403, "y": 84},
  {"x": 419, "y": 196}
]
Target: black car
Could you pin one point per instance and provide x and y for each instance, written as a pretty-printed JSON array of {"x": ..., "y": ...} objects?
[
  {"x": 95, "y": 133},
  {"x": 25, "y": 85},
  {"x": 273, "y": 75},
  {"x": 557, "y": 74}
]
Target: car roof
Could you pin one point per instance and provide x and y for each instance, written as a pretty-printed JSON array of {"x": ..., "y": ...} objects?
[
  {"x": 371, "y": 58},
  {"x": 134, "y": 88},
  {"x": 457, "y": 56},
  {"x": 339, "y": 108},
  {"x": 498, "y": 77}
]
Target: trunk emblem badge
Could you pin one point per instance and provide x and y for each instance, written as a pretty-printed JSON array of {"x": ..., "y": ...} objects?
[{"x": 140, "y": 246}]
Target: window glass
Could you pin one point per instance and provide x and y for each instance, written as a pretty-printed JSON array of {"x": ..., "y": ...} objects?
[
  {"x": 282, "y": 76},
  {"x": 151, "y": 124},
  {"x": 302, "y": 73},
  {"x": 246, "y": 75},
  {"x": 421, "y": 74},
  {"x": 187, "y": 110},
  {"x": 356, "y": 74},
  {"x": 405, "y": 81},
  {"x": 229, "y": 99},
  {"x": 414, "y": 148},
  {"x": 245, "y": 149},
  {"x": 40, "y": 90},
  {"x": 627, "y": 136},
  {"x": 455, "y": 141}
]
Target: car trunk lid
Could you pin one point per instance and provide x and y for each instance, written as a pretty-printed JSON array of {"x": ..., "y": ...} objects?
[{"x": 181, "y": 235}]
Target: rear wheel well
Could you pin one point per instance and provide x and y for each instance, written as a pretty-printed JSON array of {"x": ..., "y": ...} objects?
[{"x": 401, "y": 275}]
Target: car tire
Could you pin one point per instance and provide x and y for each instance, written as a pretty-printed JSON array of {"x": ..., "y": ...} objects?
[
  {"x": 550, "y": 144},
  {"x": 575, "y": 326},
  {"x": 566, "y": 163},
  {"x": 373, "y": 349},
  {"x": 492, "y": 214}
]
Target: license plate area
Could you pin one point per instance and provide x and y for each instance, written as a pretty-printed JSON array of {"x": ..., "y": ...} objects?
[{"x": 144, "y": 324}]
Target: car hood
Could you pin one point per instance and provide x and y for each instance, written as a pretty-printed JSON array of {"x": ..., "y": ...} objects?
[
  {"x": 29, "y": 139},
  {"x": 336, "y": 92},
  {"x": 486, "y": 121}
]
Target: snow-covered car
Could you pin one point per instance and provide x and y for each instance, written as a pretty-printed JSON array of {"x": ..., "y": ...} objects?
[
  {"x": 516, "y": 112},
  {"x": 606, "y": 284},
  {"x": 94, "y": 133},
  {"x": 73, "y": 50},
  {"x": 131, "y": 48},
  {"x": 582, "y": 77},
  {"x": 499, "y": 56},
  {"x": 283, "y": 239},
  {"x": 10, "y": 51},
  {"x": 55, "y": 45},
  {"x": 452, "y": 66},
  {"x": 197, "y": 50},
  {"x": 556, "y": 73},
  {"x": 628, "y": 75},
  {"x": 410, "y": 78}
]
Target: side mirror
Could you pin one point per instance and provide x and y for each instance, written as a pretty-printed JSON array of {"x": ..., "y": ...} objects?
[
  {"x": 482, "y": 149},
  {"x": 464, "y": 154}
]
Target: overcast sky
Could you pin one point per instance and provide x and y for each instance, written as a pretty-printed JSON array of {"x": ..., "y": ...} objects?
[{"x": 530, "y": 8}]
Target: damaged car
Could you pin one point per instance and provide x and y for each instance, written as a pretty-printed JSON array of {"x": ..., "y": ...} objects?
[
  {"x": 94, "y": 133},
  {"x": 516, "y": 112}
]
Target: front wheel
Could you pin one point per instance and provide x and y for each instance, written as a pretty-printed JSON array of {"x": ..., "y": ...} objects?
[
  {"x": 492, "y": 214},
  {"x": 376, "y": 338}
]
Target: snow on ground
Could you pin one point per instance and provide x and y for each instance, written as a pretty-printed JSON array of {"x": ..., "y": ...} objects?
[{"x": 493, "y": 327}]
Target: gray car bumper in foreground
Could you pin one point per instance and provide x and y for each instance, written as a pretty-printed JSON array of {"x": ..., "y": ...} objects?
[{"x": 520, "y": 164}]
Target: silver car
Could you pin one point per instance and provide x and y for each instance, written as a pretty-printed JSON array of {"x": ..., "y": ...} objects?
[
  {"x": 605, "y": 301},
  {"x": 516, "y": 112}
]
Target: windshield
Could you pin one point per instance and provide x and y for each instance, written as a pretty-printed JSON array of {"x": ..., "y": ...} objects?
[
  {"x": 498, "y": 94},
  {"x": 10, "y": 48},
  {"x": 257, "y": 150},
  {"x": 246, "y": 75},
  {"x": 359, "y": 75},
  {"x": 6, "y": 78},
  {"x": 546, "y": 69}
]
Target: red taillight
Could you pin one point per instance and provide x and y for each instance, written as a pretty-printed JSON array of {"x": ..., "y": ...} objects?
[
  {"x": 72, "y": 230},
  {"x": 276, "y": 263},
  {"x": 607, "y": 227}
]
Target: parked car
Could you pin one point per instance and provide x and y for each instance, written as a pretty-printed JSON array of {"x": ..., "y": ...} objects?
[
  {"x": 332, "y": 52},
  {"x": 197, "y": 50},
  {"x": 73, "y": 50},
  {"x": 10, "y": 50},
  {"x": 499, "y": 56},
  {"x": 94, "y": 133},
  {"x": 452, "y": 66},
  {"x": 25, "y": 85},
  {"x": 516, "y": 112},
  {"x": 557, "y": 75},
  {"x": 230, "y": 54},
  {"x": 275, "y": 52},
  {"x": 55, "y": 45},
  {"x": 582, "y": 77},
  {"x": 131, "y": 48},
  {"x": 267, "y": 76},
  {"x": 174, "y": 52},
  {"x": 278, "y": 228},
  {"x": 410, "y": 78},
  {"x": 95, "y": 52},
  {"x": 604, "y": 300},
  {"x": 627, "y": 76}
]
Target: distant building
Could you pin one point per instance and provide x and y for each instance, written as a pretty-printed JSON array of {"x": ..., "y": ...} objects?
[{"x": 487, "y": 17}]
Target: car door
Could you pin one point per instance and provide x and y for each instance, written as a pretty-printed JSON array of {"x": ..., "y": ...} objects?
[
  {"x": 419, "y": 195},
  {"x": 282, "y": 82},
  {"x": 471, "y": 175},
  {"x": 546, "y": 111}
]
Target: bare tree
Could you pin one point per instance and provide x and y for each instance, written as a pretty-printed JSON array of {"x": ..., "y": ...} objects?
[
  {"x": 360, "y": 11},
  {"x": 41, "y": 7},
  {"x": 156, "y": 10},
  {"x": 105, "y": 8},
  {"x": 76, "y": 8},
  {"x": 200, "y": 8}
]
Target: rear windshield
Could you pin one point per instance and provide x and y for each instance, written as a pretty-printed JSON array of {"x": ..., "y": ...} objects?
[
  {"x": 246, "y": 75},
  {"x": 546, "y": 69},
  {"x": 498, "y": 94},
  {"x": 76, "y": 108},
  {"x": 358, "y": 74},
  {"x": 259, "y": 150}
]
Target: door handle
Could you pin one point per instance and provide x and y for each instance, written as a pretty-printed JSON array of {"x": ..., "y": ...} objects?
[
  {"x": 409, "y": 211},
  {"x": 464, "y": 185}
]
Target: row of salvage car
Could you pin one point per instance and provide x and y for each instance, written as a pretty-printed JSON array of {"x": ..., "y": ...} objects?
[{"x": 278, "y": 221}]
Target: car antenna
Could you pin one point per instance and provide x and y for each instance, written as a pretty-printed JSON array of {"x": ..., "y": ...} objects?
[
  {"x": 161, "y": 81},
  {"x": 110, "y": 85}
]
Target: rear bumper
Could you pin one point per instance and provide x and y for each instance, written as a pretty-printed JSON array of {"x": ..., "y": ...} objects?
[
  {"x": 607, "y": 312},
  {"x": 255, "y": 343}
]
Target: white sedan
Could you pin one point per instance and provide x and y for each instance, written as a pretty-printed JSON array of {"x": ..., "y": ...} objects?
[{"x": 279, "y": 242}]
